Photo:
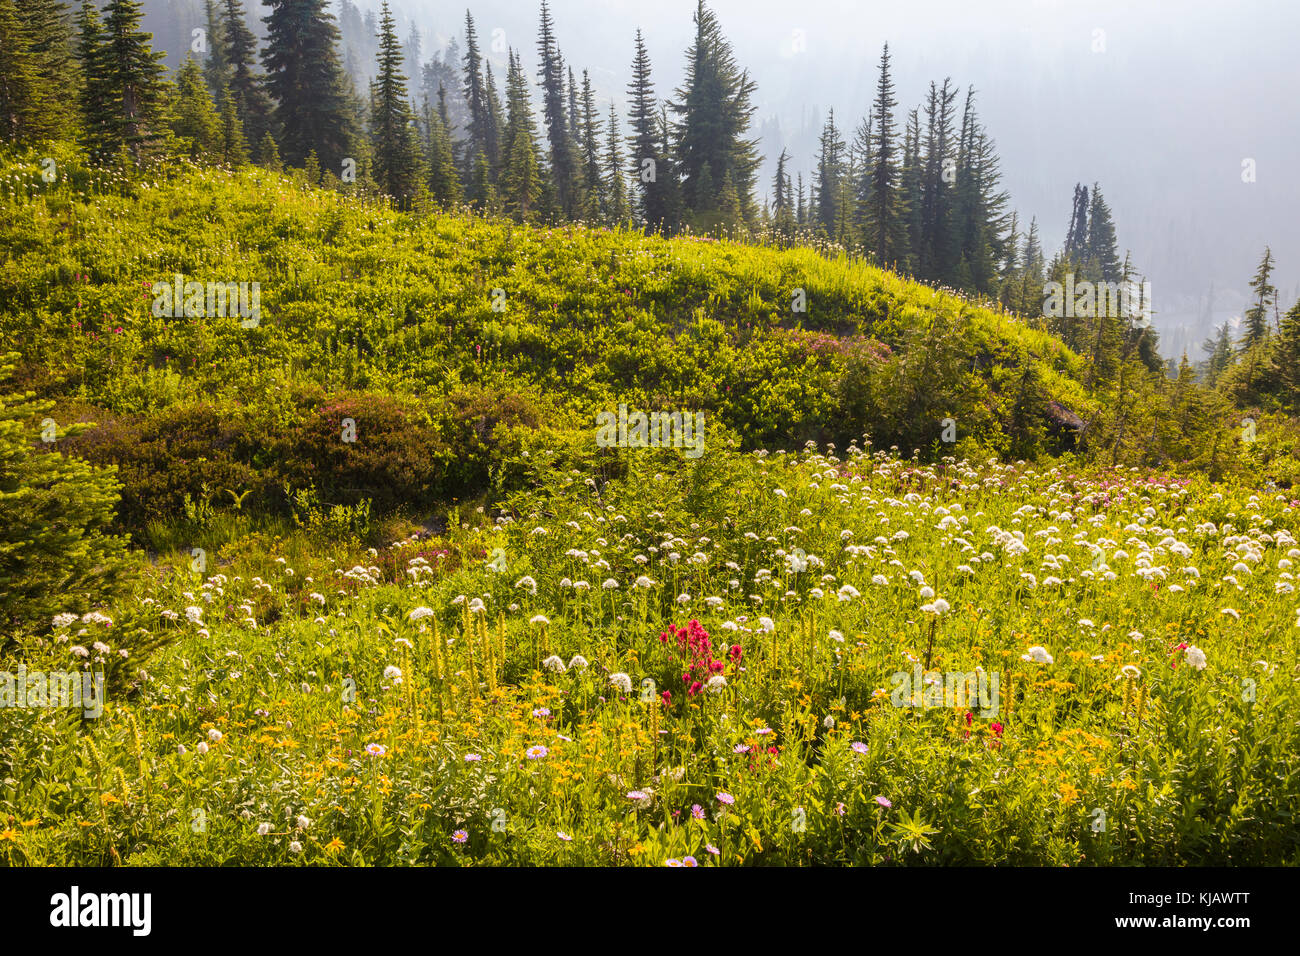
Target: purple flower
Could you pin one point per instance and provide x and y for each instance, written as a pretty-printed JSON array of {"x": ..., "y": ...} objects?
[
  {"x": 460, "y": 836},
  {"x": 726, "y": 799},
  {"x": 536, "y": 753},
  {"x": 697, "y": 811},
  {"x": 472, "y": 758},
  {"x": 713, "y": 849},
  {"x": 883, "y": 802},
  {"x": 564, "y": 836},
  {"x": 859, "y": 746},
  {"x": 541, "y": 712}
]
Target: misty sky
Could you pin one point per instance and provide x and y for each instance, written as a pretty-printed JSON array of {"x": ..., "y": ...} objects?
[{"x": 1183, "y": 92}]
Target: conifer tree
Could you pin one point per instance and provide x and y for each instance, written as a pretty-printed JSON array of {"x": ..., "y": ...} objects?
[
  {"x": 478, "y": 130},
  {"x": 482, "y": 192},
  {"x": 783, "y": 203},
  {"x": 593, "y": 175},
  {"x": 1287, "y": 360},
  {"x": 134, "y": 80},
  {"x": 495, "y": 123},
  {"x": 1255, "y": 318},
  {"x": 1101, "y": 258},
  {"x": 715, "y": 110},
  {"x": 910, "y": 188},
  {"x": 20, "y": 95},
  {"x": 397, "y": 168},
  {"x": 936, "y": 257},
  {"x": 521, "y": 176},
  {"x": 444, "y": 182},
  {"x": 56, "y": 546},
  {"x": 94, "y": 97},
  {"x": 618, "y": 205},
  {"x": 268, "y": 154},
  {"x": 43, "y": 24},
  {"x": 305, "y": 78},
  {"x": 1076, "y": 237},
  {"x": 565, "y": 164},
  {"x": 649, "y": 167},
  {"x": 252, "y": 103},
  {"x": 216, "y": 63},
  {"x": 830, "y": 179},
  {"x": 234, "y": 144},
  {"x": 194, "y": 117},
  {"x": 886, "y": 212}
]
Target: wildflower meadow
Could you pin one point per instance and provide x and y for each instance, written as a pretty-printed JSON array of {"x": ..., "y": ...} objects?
[{"x": 705, "y": 664}]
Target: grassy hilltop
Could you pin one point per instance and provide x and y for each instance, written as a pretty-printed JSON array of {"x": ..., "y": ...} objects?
[{"x": 296, "y": 677}]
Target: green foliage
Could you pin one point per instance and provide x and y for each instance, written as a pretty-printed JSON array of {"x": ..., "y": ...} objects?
[{"x": 56, "y": 552}]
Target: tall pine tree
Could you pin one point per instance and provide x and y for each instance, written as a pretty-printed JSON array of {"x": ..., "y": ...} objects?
[
  {"x": 304, "y": 76},
  {"x": 714, "y": 112},
  {"x": 397, "y": 167}
]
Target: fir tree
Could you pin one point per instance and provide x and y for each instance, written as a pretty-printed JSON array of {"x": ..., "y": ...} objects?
[
  {"x": 20, "y": 96},
  {"x": 304, "y": 76},
  {"x": 480, "y": 113},
  {"x": 783, "y": 203},
  {"x": 521, "y": 176},
  {"x": 886, "y": 212},
  {"x": 1287, "y": 360},
  {"x": 937, "y": 255},
  {"x": 268, "y": 154},
  {"x": 95, "y": 99},
  {"x": 714, "y": 109},
  {"x": 216, "y": 64},
  {"x": 593, "y": 174},
  {"x": 564, "y": 154},
  {"x": 194, "y": 117},
  {"x": 1076, "y": 237},
  {"x": 234, "y": 144},
  {"x": 246, "y": 82},
  {"x": 1256, "y": 317},
  {"x": 397, "y": 167},
  {"x": 649, "y": 166},
  {"x": 618, "y": 206},
  {"x": 492, "y": 129},
  {"x": 830, "y": 179},
  {"x": 444, "y": 182},
  {"x": 1101, "y": 258},
  {"x": 44, "y": 26},
  {"x": 56, "y": 546},
  {"x": 134, "y": 80}
]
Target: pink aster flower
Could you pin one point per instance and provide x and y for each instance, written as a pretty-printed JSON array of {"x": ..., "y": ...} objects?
[{"x": 460, "y": 836}]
